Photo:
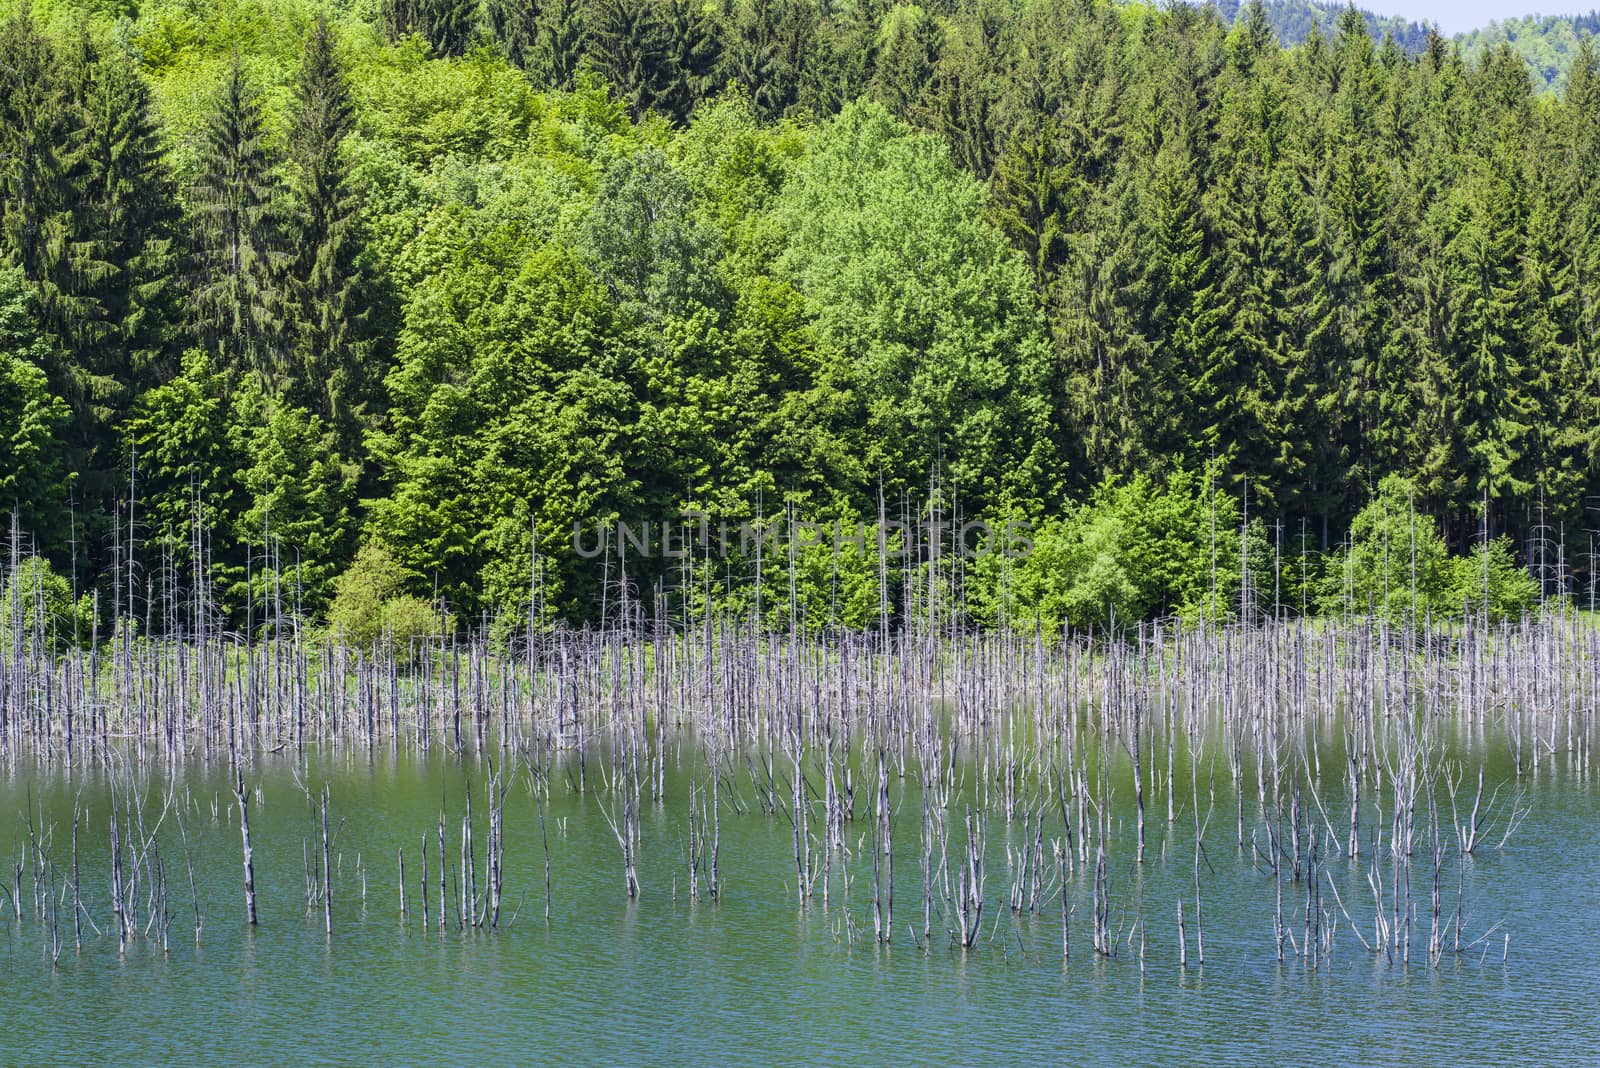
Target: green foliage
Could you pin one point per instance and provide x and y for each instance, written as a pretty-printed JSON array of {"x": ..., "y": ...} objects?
[
  {"x": 133, "y": 259},
  {"x": 300, "y": 494},
  {"x": 333, "y": 352},
  {"x": 373, "y": 577},
  {"x": 765, "y": 53},
  {"x": 944, "y": 360},
  {"x": 649, "y": 250},
  {"x": 1395, "y": 565},
  {"x": 1490, "y": 583},
  {"x": 187, "y": 444},
  {"x": 370, "y": 605},
  {"x": 31, "y": 417},
  {"x": 1134, "y": 551},
  {"x": 238, "y": 304},
  {"x": 447, "y": 25},
  {"x": 37, "y": 610},
  {"x": 558, "y": 43},
  {"x": 280, "y": 280},
  {"x": 629, "y": 46},
  {"x": 409, "y": 624}
]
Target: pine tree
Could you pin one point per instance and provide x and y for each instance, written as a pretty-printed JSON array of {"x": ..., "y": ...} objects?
[
  {"x": 238, "y": 300},
  {"x": 133, "y": 235},
  {"x": 36, "y": 136},
  {"x": 1252, "y": 36},
  {"x": 132, "y": 214},
  {"x": 1190, "y": 385},
  {"x": 332, "y": 351},
  {"x": 397, "y": 18},
  {"x": 768, "y": 45},
  {"x": 693, "y": 57},
  {"x": 1574, "y": 215},
  {"x": 909, "y": 47},
  {"x": 967, "y": 87},
  {"x": 449, "y": 25},
  {"x": 842, "y": 58},
  {"x": 41, "y": 178},
  {"x": 559, "y": 39},
  {"x": 1349, "y": 313},
  {"x": 515, "y": 24},
  {"x": 90, "y": 216},
  {"x": 1036, "y": 199},
  {"x": 629, "y": 48},
  {"x": 1181, "y": 318},
  {"x": 1493, "y": 405},
  {"x": 1257, "y": 207}
]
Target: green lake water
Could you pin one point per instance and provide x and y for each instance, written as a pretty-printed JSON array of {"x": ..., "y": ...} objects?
[{"x": 755, "y": 978}]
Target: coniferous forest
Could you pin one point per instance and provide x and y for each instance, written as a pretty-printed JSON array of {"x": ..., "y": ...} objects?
[{"x": 361, "y": 308}]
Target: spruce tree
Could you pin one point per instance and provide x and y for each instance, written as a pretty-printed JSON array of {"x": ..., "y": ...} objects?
[
  {"x": 843, "y": 55},
  {"x": 769, "y": 43},
  {"x": 693, "y": 57},
  {"x": 966, "y": 89},
  {"x": 91, "y": 217},
  {"x": 909, "y": 47},
  {"x": 515, "y": 24},
  {"x": 41, "y": 178},
  {"x": 398, "y": 18},
  {"x": 134, "y": 231},
  {"x": 1035, "y": 200},
  {"x": 133, "y": 220},
  {"x": 449, "y": 25},
  {"x": 37, "y": 136},
  {"x": 1574, "y": 216},
  {"x": 1492, "y": 405},
  {"x": 332, "y": 370},
  {"x": 628, "y": 47},
  {"x": 238, "y": 302},
  {"x": 558, "y": 47}
]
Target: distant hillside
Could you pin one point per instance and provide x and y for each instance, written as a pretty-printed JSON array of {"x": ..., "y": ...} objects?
[
  {"x": 1547, "y": 42},
  {"x": 1293, "y": 20}
]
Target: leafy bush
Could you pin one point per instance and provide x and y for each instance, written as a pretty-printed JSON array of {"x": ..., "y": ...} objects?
[
  {"x": 1395, "y": 562},
  {"x": 407, "y": 623},
  {"x": 1135, "y": 551},
  {"x": 356, "y": 615},
  {"x": 37, "y": 609},
  {"x": 370, "y": 606},
  {"x": 1490, "y": 580}
]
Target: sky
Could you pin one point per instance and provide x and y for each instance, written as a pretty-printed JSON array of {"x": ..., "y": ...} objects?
[{"x": 1457, "y": 16}]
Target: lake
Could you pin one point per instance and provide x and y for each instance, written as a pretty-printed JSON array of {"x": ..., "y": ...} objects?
[{"x": 756, "y": 977}]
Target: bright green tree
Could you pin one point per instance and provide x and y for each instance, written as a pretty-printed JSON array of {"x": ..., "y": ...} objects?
[{"x": 32, "y": 472}]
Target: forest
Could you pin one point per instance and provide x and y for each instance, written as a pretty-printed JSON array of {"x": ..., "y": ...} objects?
[
  {"x": 1548, "y": 42},
  {"x": 1294, "y": 20},
  {"x": 362, "y": 309}
]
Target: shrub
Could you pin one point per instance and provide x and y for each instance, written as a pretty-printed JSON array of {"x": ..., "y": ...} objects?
[
  {"x": 1395, "y": 561},
  {"x": 36, "y": 607},
  {"x": 1490, "y": 580},
  {"x": 373, "y": 578},
  {"x": 407, "y": 623},
  {"x": 372, "y": 609}
]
